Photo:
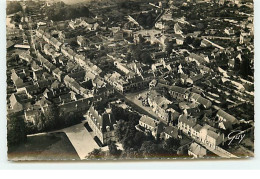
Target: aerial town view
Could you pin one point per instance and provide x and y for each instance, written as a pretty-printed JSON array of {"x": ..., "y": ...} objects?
[{"x": 130, "y": 79}]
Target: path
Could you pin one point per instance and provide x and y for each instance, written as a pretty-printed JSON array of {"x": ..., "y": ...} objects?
[{"x": 81, "y": 139}]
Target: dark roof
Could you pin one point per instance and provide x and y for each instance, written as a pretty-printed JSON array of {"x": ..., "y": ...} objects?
[
  {"x": 178, "y": 89},
  {"x": 9, "y": 44},
  {"x": 172, "y": 131},
  {"x": 227, "y": 116},
  {"x": 149, "y": 121},
  {"x": 190, "y": 122}
]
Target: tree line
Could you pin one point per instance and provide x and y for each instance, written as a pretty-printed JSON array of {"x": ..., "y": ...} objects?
[{"x": 60, "y": 11}]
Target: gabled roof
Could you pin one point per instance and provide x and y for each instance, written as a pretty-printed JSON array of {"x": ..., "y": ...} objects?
[
  {"x": 227, "y": 116},
  {"x": 9, "y": 44},
  {"x": 197, "y": 149},
  {"x": 197, "y": 128},
  {"x": 184, "y": 119},
  {"x": 172, "y": 131},
  {"x": 178, "y": 89},
  {"x": 149, "y": 121}
]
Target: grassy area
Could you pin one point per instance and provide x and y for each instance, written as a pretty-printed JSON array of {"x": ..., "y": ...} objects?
[{"x": 55, "y": 146}]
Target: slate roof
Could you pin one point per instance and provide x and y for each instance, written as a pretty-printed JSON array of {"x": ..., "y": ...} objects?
[
  {"x": 227, "y": 116},
  {"x": 184, "y": 119},
  {"x": 178, "y": 89},
  {"x": 149, "y": 121},
  {"x": 172, "y": 131},
  {"x": 197, "y": 149}
]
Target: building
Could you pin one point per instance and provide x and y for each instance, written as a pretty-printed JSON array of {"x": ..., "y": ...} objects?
[
  {"x": 179, "y": 92},
  {"x": 103, "y": 124},
  {"x": 225, "y": 120},
  {"x": 15, "y": 105},
  {"x": 196, "y": 150},
  {"x": 210, "y": 137},
  {"x": 186, "y": 124},
  {"x": 148, "y": 124},
  {"x": 81, "y": 41},
  {"x": 194, "y": 97},
  {"x": 160, "y": 105},
  {"x": 206, "y": 135},
  {"x": 169, "y": 132}
]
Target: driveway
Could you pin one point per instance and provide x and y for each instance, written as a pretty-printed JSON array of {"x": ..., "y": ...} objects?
[{"x": 81, "y": 139}]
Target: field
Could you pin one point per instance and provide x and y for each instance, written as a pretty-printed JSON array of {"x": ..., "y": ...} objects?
[{"x": 55, "y": 146}]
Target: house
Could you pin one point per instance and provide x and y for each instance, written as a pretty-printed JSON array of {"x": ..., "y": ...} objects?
[
  {"x": 18, "y": 82},
  {"x": 160, "y": 105},
  {"x": 74, "y": 107},
  {"x": 102, "y": 123},
  {"x": 148, "y": 124},
  {"x": 68, "y": 52},
  {"x": 55, "y": 43},
  {"x": 199, "y": 59},
  {"x": 196, "y": 150},
  {"x": 48, "y": 50},
  {"x": 179, "y": 92},
  {"x": 57, "y": 73},
  {"x": 245, "y": 38},
  {"x": 194, "y": 97},
  {"x": 117, "y": 81},
  {"x": 231, "y": 63},
  {"x": 225, "y": 120},
  {"x": 32, "y": 115},
  {"x": 186, "y": 123},
  {"x": 177, "y": 29},
  {"x": 25, "y": 56},
  {"x": 169, "y": 132},
  {"x": 206, "y": 135},
  {"x": 159, "y": 25},
  {"x": 39, "y": 33},
  {"x": 229, "y": 31},
  {"x": 81, "y": 41},
  {"x": 210, "y": 137},
  {"x": 9, "y": 44},
  {"x": 179, "y": 39},
  {"x": 80, "y": 59},
  {"x": 46, "y": 36},
  {"x": 15, "y": 103},
  {"x": 195, "y": 131}
]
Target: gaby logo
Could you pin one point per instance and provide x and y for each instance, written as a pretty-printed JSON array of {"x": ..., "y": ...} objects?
[{"x": 236, "y": 136}]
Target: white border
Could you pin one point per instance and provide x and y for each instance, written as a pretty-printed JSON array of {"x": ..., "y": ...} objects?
[{"x": 152, "y": 165}]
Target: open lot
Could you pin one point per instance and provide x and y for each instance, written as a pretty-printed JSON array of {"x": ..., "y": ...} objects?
[
  {"x": 81, "y": 139},
  {"x": 52, "y": 146}
]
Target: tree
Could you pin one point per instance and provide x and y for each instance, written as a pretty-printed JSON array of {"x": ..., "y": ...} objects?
[
  {"x": 189, "y": 40},
  {"x": 16, "y": 132},
  {"x": 171, "y": 145},
  {"x": 169, "y": 47},
  {"x": 139, "y": 138},
  {"x": 196, "y": 43},
  {"x": 150, "y": 149},
  {"x": 245, "y": 68},
  {"x": 89, "y": 85},
  {"x": 96, "y": 154},
  {"x": 13, "y": 7},
  {"x": 146, "y": 58},
  {"x": 51, "y": 117},
  {"x": 17, "y": 18},
  {"x": 113, "y": 148}
]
